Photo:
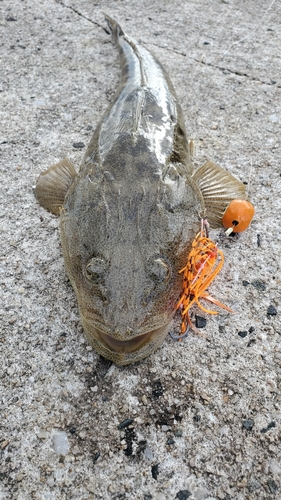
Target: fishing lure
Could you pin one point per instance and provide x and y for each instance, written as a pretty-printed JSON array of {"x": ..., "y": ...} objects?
[{"x": 204, "y": 262}]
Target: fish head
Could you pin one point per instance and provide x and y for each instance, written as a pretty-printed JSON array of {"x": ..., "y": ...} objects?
[{"x": 123, "y": 248}]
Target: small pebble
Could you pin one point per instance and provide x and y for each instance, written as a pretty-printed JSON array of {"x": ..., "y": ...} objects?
[
  {"x": 157, "y": 389},
  {"x": 103, "y": 366},
  {"x": 270, "y": 426},
  {"x": 253, "y": 485},
  {"x": 271, "y": 311},
  {"x": 91, "y": 487},
  {"x": 96, "y": 456},
  {"x": 272, "y": 485},
  {"x": 60, "y": 443},
  {"x": 274, "y": 466},
  {"x": 259, "y": 285},
  {"x": 205, "y": 397},
  {"x": 251, "y": 329},
  {"x": 243, "y": 334},
  {"x": 148, "y": 454},
  {"x": 165, "y": 428},
  {"x": 51, "y": 481},
  {"x": 251, "y": 342},
  {"x": 201, "y": 493},
  {"x": 160, "y": 496},
  {"x": 78, "y": 145},
  {"x": 170, "y": 441},
  {"x": 245, "y": 283},
  {"x": 273, "y": 449},
  {"x": 200, "y": 321},
  {"x": 141, "y": 446},
  {"x": 178, "y": 433},
  {"x": 125, "y": 423},
  {"x": 42, "y": 434},
  {"x": 155, "y": 471},
  {"x": 76, "y": 450},
  {"x": 183, "y": 494},
  {"x": 248, "y": 424}
]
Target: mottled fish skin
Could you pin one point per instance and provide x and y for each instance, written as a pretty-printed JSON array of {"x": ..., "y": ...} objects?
[{"x": 131, "y": 213}]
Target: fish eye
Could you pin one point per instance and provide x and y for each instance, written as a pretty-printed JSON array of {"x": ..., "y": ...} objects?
[
  {"x": 158, "y": 269},
  {"x": 95, "y": 269}
]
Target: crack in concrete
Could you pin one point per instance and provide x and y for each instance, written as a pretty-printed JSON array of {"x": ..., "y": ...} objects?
[
  {"x": 221, "y": 68},
  {"x": 235, "y": 72},
  {"x": 82, "y": 15},
  {"x": 175, "y": 51}
]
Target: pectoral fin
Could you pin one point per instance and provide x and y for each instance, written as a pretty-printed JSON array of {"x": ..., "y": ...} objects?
[
  {"x": 53, "y": 184},
  {"x": 218, "y": 188}
]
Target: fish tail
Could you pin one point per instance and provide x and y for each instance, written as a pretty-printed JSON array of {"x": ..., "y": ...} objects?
[{"x": 114, "y": 27}]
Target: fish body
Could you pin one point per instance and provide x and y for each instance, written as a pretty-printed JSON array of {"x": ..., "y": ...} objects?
[{"x": 130, "y": 214}]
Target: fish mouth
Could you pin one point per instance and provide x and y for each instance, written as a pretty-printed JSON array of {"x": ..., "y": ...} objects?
[
  {"x": 124, "y": 352},
  {"x": 131, "y": 345}
]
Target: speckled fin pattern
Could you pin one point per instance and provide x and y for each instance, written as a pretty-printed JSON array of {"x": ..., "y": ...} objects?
[
  {"x": 218, "y": 188},
  {"x": 53, "y": 184}
]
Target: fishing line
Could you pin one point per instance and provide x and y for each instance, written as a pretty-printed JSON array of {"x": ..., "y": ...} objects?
[{"x": 251, "y": 32}]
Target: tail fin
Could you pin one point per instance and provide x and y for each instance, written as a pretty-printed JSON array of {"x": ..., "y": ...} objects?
[{"x": 114, "y": 27}]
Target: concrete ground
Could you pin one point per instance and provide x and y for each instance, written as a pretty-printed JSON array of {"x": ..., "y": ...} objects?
[{"x": 198, "y": 419}]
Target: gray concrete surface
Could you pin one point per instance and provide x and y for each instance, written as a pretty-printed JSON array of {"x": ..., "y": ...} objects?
[{"x": 205, "y": 412}]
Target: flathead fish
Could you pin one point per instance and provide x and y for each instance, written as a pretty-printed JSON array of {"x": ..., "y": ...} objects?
[{"x": 128, "y": 217}]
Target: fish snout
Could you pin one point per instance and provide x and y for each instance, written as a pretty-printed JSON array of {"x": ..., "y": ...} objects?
[{"x": 121, "y": 346}]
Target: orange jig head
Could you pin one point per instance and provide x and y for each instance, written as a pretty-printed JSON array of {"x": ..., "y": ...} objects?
[{"x": 238, "y": 216}]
